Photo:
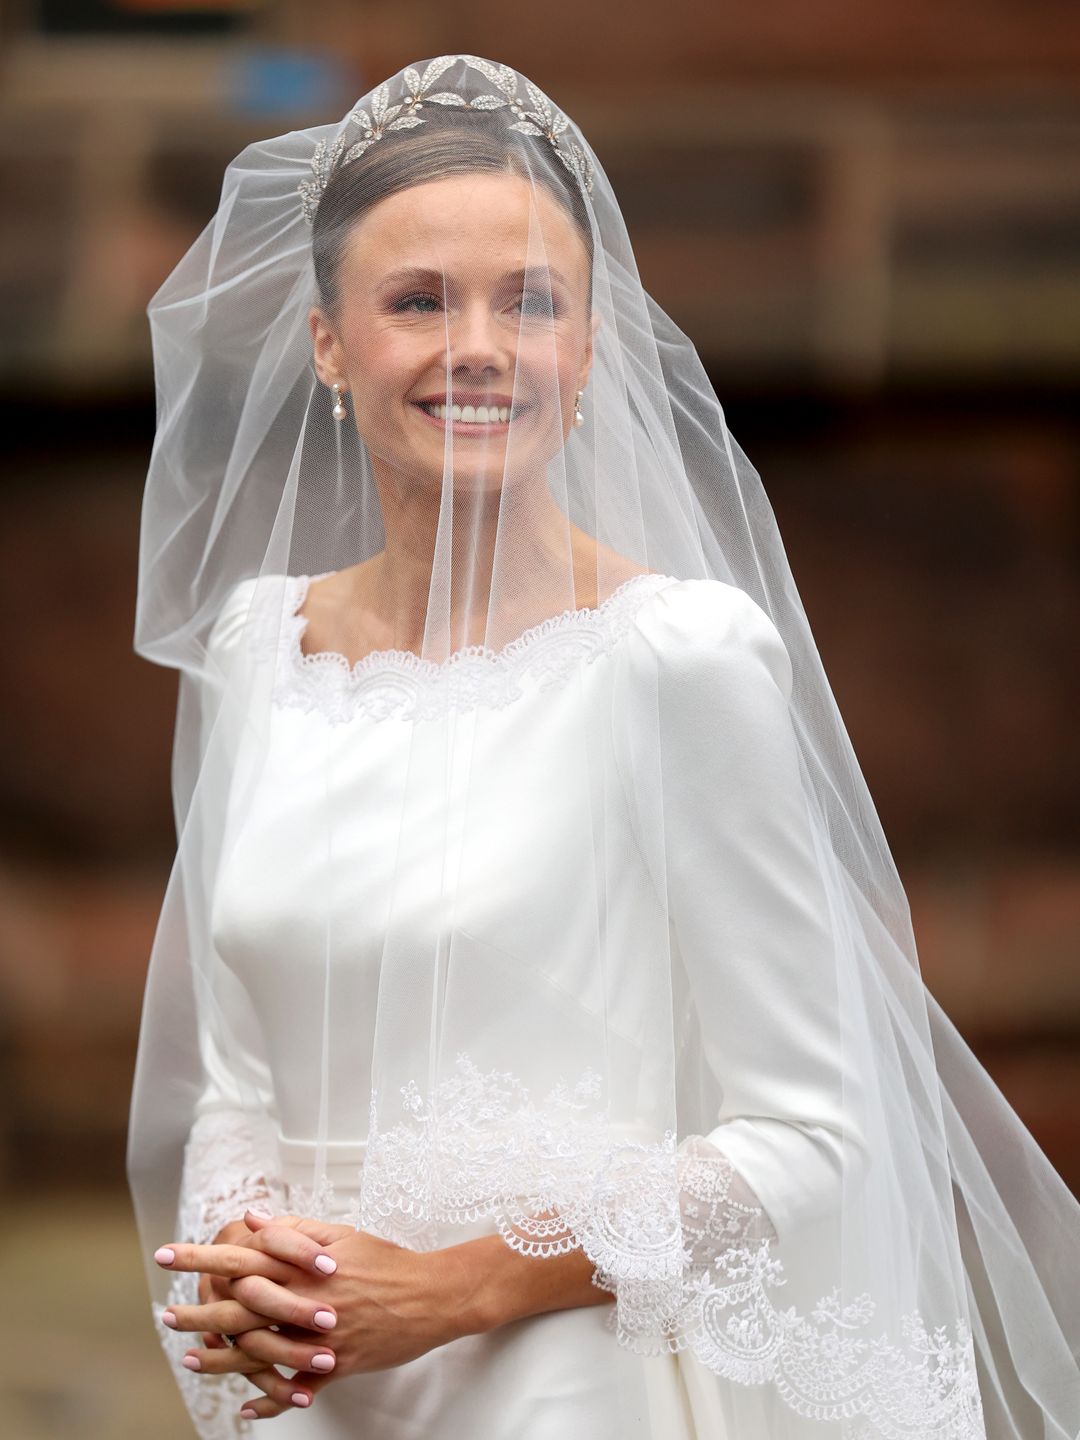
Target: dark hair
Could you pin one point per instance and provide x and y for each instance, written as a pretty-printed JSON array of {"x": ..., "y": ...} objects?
[{"x": 451, "y": 142}]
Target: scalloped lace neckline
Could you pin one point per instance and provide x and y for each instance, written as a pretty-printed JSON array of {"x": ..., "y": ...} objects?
[{"x": 387, "y": 683}]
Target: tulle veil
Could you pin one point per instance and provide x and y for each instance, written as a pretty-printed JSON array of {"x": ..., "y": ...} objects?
[{"x": 526, "y": 877}]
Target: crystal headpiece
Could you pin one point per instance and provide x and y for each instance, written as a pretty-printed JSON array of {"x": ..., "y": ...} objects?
[{"x": 536, "y": 116}]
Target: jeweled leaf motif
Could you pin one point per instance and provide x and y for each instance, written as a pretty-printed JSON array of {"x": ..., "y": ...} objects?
[
  {"x": 437, "y": 67},
  {"x": 540, "y": 101},
  {"x": 541, "y": 121},
  {"x": 501, "y": 76},
  {"x": 378, "y": 104},
  {"x": 355, "y": 151}
]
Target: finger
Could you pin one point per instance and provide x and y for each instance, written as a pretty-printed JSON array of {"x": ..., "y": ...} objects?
[
  {"x": 229, "y": 1360},
  {"x": 268, "y": 1347},
  {"x": 227, "y": 1261},
  {"x": 213, "y": 1287},
  {"x": 276, "y": 1303},
  {"x": 208, "y": 1293},
  {"x": 296, "y": 1246},
  {"x": 215, "y": 1340},
  {"x": 261, "y": 1220},
  {"x": 324, "y": 1231},
  {"x": 281, "y": 1394},
  {"x": 223, "y": 1317}
]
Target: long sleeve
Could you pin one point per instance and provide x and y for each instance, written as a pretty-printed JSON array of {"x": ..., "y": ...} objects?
[
  {"x": 746, "y": 900},
  {"x": 227, "y": 1166},
  {"x": 229, "y": 1158}
]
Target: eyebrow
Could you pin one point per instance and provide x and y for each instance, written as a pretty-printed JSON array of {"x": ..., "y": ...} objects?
[{"x": 420, "y": 275}]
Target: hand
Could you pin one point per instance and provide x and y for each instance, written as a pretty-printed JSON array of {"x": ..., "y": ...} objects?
[
  {"x": 398, "y": 1304},
  {"x": 392, "y": 1304},
  {"x": 261, "y": 1341},
  {"x": 214, "y": 1287}
]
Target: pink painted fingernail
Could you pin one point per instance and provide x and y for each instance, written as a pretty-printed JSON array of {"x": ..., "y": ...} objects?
[
  {"x": 248, "y": 1414},
  {"x": 165, "y": 1256},
  {"x": 325, "y": 1320},
  {"x": 299, "y": 1398},
  {"x": 325, "y": 1264},
  {"x": 192, "y": 1362},
  {"x": 168, "y": 1318},
  {"x": 323, "y": 1362}
]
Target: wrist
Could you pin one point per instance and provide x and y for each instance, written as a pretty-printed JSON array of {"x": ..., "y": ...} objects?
[
  {"x": 468, "y": 1287},
  {"x": 484, "y": 1283}
]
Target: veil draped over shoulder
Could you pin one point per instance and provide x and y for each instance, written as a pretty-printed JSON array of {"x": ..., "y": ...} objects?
[{"x": 526, "y": 879}]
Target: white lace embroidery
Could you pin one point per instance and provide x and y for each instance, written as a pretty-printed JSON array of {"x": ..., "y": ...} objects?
[
  {"x": 222, "y": 1177},
  {"x": 674, "y": 1232},
  {"x": 398, "y": 683}
]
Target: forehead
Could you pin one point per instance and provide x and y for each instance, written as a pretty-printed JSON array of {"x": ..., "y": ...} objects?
[{"x": 468, "y": 222}]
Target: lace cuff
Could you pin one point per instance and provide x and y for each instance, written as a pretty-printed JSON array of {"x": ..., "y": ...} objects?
[
  {"x": 225, "y": 1172},
  {"x": 676, "y": 1233},
  {"x": 719, "y": 1224},
  {"x": 222, "y": 1176}
]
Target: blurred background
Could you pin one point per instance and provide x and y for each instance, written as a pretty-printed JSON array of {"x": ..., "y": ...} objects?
[{"x": 867, "y": 217}]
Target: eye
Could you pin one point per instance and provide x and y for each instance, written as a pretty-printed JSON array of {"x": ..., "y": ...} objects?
[
  {"x": 537, "y": 302},
  {"x": 419, "y": 304}
]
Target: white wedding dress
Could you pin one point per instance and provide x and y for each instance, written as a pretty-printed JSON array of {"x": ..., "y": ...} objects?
[{"x": 749, "y": 928}]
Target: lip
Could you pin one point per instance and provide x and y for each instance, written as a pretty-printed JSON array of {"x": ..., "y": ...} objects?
[
  {"x": 470, "y": 430},
  {"x": 467, "y": 397}
]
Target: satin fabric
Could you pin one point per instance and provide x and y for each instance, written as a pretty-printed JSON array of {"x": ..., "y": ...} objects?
[{"x": 560, "y": 1375}]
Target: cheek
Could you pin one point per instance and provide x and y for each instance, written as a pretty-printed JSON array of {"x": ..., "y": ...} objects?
[
  {"x": 549, "y": 364},
  {"x": 384, "y": 369}
]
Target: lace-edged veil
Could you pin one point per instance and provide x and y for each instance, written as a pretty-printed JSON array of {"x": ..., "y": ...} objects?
[{"x": 525, "y": 873}]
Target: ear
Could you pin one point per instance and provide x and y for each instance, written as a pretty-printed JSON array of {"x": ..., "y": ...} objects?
[
  {"x": 326, "y": 348},
  {"x": 587, "y": 358}
]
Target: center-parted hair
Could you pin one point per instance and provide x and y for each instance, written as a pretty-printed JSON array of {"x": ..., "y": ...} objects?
[{"x": 451, "y": 142}]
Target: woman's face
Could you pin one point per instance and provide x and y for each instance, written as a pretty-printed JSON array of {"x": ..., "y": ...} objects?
[{"x": 468, "y": 291}]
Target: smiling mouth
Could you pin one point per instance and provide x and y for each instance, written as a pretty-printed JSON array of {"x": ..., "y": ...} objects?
[{"x": 478, "y": 415}]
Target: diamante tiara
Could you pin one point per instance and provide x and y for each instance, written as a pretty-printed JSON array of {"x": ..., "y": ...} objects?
[{"x": 536, "y": 116}]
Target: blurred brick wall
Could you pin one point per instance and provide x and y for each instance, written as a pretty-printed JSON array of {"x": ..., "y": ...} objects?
[{"x": 868, "y": 220}]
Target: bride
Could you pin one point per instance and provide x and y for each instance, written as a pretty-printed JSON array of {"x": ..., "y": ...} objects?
[{"x": 534, "y": 1043}]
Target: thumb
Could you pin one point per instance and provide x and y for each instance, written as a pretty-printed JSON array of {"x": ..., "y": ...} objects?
[
  {"x": 298, "y": 1240},
  {"x": 323, "y": 1232}
]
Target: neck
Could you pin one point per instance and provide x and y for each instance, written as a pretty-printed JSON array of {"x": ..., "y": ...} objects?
[{"x": 448, "y": 545}]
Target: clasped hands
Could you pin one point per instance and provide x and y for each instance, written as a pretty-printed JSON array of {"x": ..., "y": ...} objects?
[{"x": 324, "y": 1300}]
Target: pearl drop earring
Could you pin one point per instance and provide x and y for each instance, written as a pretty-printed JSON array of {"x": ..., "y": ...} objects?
[
  {"x": 579, "y": 418},
  {"x": 338, "y": 411}
]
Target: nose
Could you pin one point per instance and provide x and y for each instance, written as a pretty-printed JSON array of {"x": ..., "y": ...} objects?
[{"x": 477, "y": 342}]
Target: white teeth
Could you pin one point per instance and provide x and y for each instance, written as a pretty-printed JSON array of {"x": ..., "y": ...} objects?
[{"x": 470, "y": 414}]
